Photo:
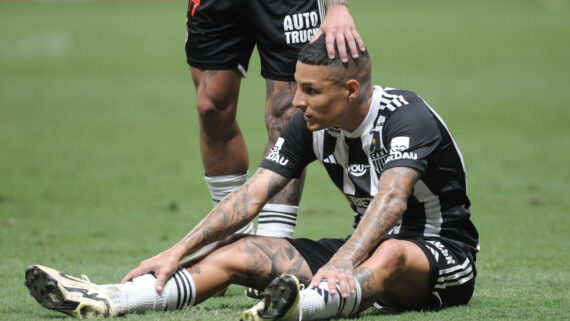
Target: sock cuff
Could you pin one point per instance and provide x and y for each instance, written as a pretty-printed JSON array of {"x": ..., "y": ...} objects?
[
  {"x": 277, "y": 220},
  {"x": 280, "y": 208},
  {"x": 185, "y": 289},
  {"x": 221, "y": 186}
]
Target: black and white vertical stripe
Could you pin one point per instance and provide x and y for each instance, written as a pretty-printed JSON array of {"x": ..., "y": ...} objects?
[
  {"x": 185, "y": 287},
  {"x": 355, "y": 160}
]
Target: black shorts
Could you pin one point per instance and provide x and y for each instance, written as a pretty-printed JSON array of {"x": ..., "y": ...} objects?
[
  {"x": 452, "y": 267},
  {"x": 221, "y": 34}
]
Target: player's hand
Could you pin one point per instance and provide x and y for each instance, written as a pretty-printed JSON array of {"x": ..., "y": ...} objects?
[
  {"x": 338, "y": 26},
  {"x": 336, "y": 271},
  {"x": 164, "y": 265}
]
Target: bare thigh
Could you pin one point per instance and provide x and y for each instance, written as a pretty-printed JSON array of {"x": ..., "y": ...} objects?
[
  {"x": 397, "y": 274},
  {"x": 251, "y": 261}
]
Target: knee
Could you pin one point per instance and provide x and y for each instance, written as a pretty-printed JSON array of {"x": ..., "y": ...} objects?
[
  {"x": 215, "y": 114},
  {"x": 389, "y": 256}
]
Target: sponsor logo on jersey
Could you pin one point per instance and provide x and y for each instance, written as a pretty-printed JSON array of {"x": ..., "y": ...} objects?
[
  {"x": 362, "y": 202},
  {"x": 300, "y": 27},
  {"x": 398, "y": 145},
  {"x": 274, "y": 155},
  {"x": 357, "y": 169}
]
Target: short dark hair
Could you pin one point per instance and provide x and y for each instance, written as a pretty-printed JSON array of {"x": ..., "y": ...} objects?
[{"x": 315, "y": 53}]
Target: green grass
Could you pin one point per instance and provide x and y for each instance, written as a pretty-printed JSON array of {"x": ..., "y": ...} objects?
[{"x": 98, "y": 138}]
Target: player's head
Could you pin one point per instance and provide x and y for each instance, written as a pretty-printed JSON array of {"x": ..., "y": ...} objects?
[
  {"x": 315, "y": 53},
  {"x": 330, "y": 92}
]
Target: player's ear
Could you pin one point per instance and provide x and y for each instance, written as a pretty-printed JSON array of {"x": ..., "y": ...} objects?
[{"x": 353, "y": 89}]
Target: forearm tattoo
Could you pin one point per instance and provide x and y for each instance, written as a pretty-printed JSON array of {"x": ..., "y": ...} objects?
[
  {"x": 236, "y": 210},
  {"x": 385, "y": 210}
]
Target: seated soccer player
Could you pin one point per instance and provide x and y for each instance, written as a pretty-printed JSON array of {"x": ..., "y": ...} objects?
[{"x": 387, "y": 150}]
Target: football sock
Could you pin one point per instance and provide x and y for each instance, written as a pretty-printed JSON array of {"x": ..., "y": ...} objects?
[
  {"x": 139, "y": 294},
  {"x": 221, "y": 186},
  {"x": 277, "y": 220},
  {"x": 318, "y": 303}
]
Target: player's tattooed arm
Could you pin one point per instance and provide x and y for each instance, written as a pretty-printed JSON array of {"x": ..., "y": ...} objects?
[
  {"x": 236, "y": 210},
  {"x": 384, "y": 211}
]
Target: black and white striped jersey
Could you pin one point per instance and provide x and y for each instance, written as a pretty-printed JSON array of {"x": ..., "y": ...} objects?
[{"x": 400, "y": 130}]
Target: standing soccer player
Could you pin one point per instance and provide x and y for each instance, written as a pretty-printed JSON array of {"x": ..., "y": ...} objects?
[{"x": 220, "y": 40}]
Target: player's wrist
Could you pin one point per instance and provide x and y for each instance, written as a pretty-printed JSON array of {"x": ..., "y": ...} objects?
[
  {"x": 331, "y": 3},
  {"x": 179, "y": 251}
]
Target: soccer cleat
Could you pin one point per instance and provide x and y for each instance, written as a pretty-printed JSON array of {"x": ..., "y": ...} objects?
[
  {"x": 64, "y": 293},
  {"x": 254, "y": 294},
  {"x": 280, "y": 301},
  {"x": 252, "y": 314}
]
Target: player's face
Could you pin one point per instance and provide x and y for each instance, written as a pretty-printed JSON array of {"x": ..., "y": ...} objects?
[{"x": 322, "y": 101}]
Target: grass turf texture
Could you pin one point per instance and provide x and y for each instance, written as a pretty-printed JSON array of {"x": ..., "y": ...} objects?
[{"x": 100, "y": 168}]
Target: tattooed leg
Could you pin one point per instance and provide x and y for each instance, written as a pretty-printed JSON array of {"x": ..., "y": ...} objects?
[
  {"x": 250, "y": 261},
  {"x": 279, "y": 217},
  {"x": 397, "y": 274},
  {"x": 221, "y": 142}
]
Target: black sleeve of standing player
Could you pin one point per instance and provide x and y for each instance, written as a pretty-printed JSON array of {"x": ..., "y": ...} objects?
[
  {"x": 292, "y": 151},
  {"x": 411, "y": 134}
]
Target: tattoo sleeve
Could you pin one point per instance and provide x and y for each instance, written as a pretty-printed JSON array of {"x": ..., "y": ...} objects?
[
  {"x": 236, "y": 210},
  {"x": 385, "y": 210}
]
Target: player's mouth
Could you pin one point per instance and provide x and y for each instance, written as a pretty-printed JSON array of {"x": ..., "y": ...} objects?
[{"x": 308, "y": 118}]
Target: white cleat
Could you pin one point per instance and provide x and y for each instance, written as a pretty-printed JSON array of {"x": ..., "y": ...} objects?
[{"x": 67, "y": 294}]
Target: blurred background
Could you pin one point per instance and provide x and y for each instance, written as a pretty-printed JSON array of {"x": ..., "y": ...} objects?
[{"x": 100, "y": 166}]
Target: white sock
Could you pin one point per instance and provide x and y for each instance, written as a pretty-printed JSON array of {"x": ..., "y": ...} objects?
[
  {"x": 277, "y": 220},
  {"x": 139, "y": 295},
  {"x": 318, "y": 303},
  {"x": 222, "y": 186}
]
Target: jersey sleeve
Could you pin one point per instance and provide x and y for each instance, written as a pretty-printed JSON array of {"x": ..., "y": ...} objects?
[
  {"x": 292, "y": 151},
  {"x": 411, "y": 134}
]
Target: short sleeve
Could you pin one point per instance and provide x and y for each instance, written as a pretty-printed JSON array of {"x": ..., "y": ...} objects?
[
  {"x": 292, "y": 151},
  {"x": 411, "y": 134}
]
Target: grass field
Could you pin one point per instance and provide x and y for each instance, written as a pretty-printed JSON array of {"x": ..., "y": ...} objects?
[{"x": 99, "y": 164}]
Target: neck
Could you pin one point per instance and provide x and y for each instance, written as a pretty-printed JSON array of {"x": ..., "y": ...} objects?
[{"x": 357, "y": 112}]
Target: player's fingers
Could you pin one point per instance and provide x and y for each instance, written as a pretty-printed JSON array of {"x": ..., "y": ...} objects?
[
  {"x": 343, "y": 286},
  {"x": 352, "y": 44},
  {"x": 331, "y": 282},
  {"x": 340, "y": 44},
  {"x": 359, "y": 40},
  {"x": 330, "y": 39},
  {"x": 161, "y": 279},
  {"x": 352, "y": 284},
  {"x": 317, "y": 279},
  {"x": 132, "y": 274}
]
